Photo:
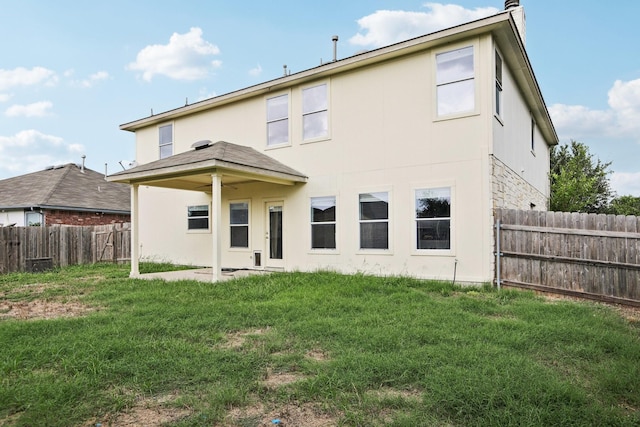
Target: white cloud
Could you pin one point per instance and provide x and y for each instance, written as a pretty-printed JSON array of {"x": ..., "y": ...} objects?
[
  {"x": 256, "y": 71},
  {"x": 385, "y": 27},
  {"x": 626, "y": 183},
  {"x": 31, "y": 150},
  {"x": 203, "y": 94},
  {"x": 186, "y": 57},
  {"x": 620, "y": 121},
  {"x": 24, "y": 77},
  {"x": 4, "y": 97},
  {"x": 36, "y": 109},
  {"x": 92, "y": 79}
]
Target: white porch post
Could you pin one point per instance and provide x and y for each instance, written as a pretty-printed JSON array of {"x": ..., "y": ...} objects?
[
  {"x": 216, "y": 225},
  {"x": 135, "y": 238}
]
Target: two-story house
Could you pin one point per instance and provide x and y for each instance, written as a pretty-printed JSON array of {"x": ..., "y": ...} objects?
[{"x": 388, "y": 162}]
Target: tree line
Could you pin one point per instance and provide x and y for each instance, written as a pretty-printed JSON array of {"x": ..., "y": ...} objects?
[{"x": 580, "y": 183}]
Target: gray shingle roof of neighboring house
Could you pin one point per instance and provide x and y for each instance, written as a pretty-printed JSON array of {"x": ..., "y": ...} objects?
[{"x": 67, "y": 187}]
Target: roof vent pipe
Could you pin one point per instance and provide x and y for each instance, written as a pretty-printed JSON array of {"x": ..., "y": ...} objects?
[
  {"x": 508, "y": 4},
  {"x": 285, "y": 69},
  {"x": 82, "y": 168},
  {"x": 335, "y": 48}
]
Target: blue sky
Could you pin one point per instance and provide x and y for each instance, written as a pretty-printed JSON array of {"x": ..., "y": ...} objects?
[{"x": 71, "y": 72}]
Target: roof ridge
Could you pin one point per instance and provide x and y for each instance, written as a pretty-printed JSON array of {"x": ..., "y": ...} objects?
[{"x": 55, "y": 185}]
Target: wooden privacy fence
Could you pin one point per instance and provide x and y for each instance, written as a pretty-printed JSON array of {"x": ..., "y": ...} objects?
[
  {"x": 585, "y": 255},
  {"x": 39, "y": 248}
]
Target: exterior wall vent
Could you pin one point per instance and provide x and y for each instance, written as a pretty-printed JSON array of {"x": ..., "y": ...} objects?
[{"x": 201, "y": 144}]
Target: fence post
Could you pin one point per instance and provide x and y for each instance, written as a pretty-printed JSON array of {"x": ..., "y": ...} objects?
[{"x": 498, "y": 254}]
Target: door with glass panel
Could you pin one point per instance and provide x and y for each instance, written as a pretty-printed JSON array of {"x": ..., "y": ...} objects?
[{"x": 274, "y": 235}]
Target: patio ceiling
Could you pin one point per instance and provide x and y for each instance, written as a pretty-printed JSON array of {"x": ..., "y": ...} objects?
[{"x": 192, "y": 170}]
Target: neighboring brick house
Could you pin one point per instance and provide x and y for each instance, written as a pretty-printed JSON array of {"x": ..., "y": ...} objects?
[{"x": 68, "y": 194}]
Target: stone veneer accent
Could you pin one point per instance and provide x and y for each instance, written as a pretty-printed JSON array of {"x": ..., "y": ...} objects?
[
  {"x": 511, "y": 191},
  {"x": 83, "y": 218}
]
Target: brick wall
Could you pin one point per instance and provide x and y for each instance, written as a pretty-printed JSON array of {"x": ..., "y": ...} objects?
[{"x": 83, "y": 218}]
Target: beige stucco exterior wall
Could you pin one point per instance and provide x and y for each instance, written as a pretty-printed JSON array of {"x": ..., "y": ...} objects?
[
  {"x": 384, "y": 136},
  {"x": 520, "y": 155}
]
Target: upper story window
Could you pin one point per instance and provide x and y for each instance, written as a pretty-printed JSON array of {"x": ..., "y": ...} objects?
[
  {"x": 433, "y": 218},
  {"x": 455, "y": 81},
  {"x": 239, "y": 224},
  {"x": 323, "y": 222},
  {"x": 278, "y": 120},
  {"x": 165, "y": 140},
  {"x": 198, "y": 217},
  {"x": 374, "y": 220},
  {"x": 315, "y": 120},
  {"x": 533, "y": 135},
  {"x": 498, "y": 84}
]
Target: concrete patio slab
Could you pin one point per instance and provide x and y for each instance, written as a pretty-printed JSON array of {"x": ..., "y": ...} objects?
[{"x": 199, "y": 274}]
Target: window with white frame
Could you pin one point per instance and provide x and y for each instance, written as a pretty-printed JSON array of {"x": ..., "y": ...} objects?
[
  {"x": 198, "y": 217},
  {"x": 498, "y": 84},
  {"x": 33, "y": 218},
  {"x": 239, "y": 224},
  {"x": 374, "y": 220},
  {"x": 433, "y": 218},
  {"x": 278, "y": 120},
  {"x": 315, "y": 119},
  {"x": 165, "y": 140},
  {"x": 323, "y": 222},
  {"x": 455, "y": 81}
]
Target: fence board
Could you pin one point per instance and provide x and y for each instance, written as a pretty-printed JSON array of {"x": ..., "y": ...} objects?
[
  {"x": 572, "y": 253},
  {"x": 63, "y": 244}
]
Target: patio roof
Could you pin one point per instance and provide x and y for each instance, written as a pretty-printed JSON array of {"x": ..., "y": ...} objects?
[{"x": 192, "y": 169}]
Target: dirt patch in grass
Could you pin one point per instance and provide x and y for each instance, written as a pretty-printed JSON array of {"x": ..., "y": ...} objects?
[
  {"x": 27, "y": 302},
  {"x": 317, "y": 354},
  {"x": 279, "y": 379},
  {"x": 38, "y": 309},
  {"x": 152, "y": 411},
  {"x": 291, "y": 414},
  {"x": 392, "y": 393},
  {"x": 237, "y": 339}
]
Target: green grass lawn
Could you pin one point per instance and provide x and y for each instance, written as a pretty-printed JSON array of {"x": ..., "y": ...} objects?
[{"x": 87, "y": 345}]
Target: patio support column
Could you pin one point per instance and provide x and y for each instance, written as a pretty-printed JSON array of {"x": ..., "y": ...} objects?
[
  {"x": 135, "y": 237},
  {"x": 216, "y": 225}
]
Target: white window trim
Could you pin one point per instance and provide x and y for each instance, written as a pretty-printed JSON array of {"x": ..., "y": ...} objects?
[
  {"x": 173, "y": 139},
  {"x": 434, "y": 70},
  {"x": 289, "y": 122},
  {"x": 328, "y": 135},
  {"x": 358, "y": 249},
  {"x": 498, "y": 114},
  {"x": 198, "y": 230},
  {"x": 237, "y": 248},
  {"x": 434, "y": 252},
  {"x": 325, "y": 251}
]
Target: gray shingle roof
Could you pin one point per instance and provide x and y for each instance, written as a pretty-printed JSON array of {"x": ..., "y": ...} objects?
[
  {"x": 65, "y": 187},
  {"x": 219, "y": 154}
]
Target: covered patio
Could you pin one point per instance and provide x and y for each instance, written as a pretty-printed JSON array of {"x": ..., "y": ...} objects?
[{"x": 206, "y": 168}]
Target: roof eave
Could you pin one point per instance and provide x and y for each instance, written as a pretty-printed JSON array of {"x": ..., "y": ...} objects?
[
  {"x": 207, "y": 166},
  {"x": 359, "y": 60}
]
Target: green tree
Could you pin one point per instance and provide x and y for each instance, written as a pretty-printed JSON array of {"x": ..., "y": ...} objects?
[
  {"x": 625, "y": 205},
  {"x": 578, "y": 182}
]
